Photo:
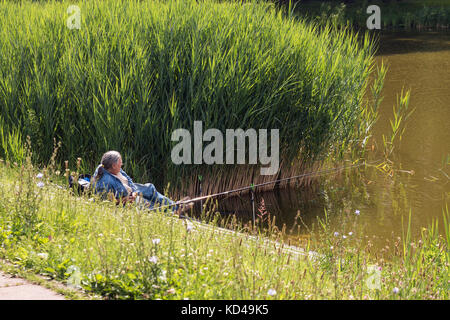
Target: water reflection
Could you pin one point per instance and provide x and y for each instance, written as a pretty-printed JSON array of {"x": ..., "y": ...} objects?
[{"x": 410, "y": 42}]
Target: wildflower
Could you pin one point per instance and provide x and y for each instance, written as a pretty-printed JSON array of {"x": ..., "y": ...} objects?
[
  {"x": 336, "y": 234},
  {"x": 313, "y": 255},
  {"x": 39, "y": 176},
  {"x": 43, "y": 255},
  {"x": 350, "y": 233},
  {"x": 171, "y": 291},
  {"x": 357, "y": 212},
  {"x": 271, "y": 292},
  {"x": 331, "y": 247},
  {"x": 396, "y": 290},
  {"x": 40, "y": 184},
  {"x": 189, "y": 227},
  {"x": 344, "y": 237},
  {"x": 156, "y": 241},
  {"x": 153, "y": 259}
]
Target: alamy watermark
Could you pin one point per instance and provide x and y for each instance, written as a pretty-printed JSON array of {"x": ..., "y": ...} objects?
[
  {"x": 374, "y": 20},
  {"x": 373, "y": 281},
  {"x": 74, "y": 20},
  {"x": 235, "y": 140}
]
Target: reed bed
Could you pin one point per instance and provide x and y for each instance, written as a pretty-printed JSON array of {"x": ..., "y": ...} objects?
[{"x": 137, "y": 70}]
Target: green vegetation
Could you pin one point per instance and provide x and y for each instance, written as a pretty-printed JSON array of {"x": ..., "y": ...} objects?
[
  {"x": 405, "y": 15},
  {"x": 124, "y": 253},
  {"x": 137, "y": 70}
]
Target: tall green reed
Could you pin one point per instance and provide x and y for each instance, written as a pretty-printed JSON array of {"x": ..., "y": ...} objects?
[{"x": 137, "y": 70}]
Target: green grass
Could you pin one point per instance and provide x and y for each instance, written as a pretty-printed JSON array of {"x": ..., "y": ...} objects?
[
  {"x": 137, "y": 70},
  {"x": 113, "y": 252}
]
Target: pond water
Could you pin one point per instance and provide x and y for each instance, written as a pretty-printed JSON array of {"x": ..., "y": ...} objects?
[{"x": 419, "y": 62}]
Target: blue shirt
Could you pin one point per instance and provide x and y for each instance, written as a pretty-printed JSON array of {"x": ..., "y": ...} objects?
[{"x": 110, "y": 183}]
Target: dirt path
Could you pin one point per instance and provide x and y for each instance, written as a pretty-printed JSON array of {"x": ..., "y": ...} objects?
[{"x": 19, "y": 289}]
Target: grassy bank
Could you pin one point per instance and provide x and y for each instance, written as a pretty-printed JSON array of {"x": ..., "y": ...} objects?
[
  {"x": 137, "y": 70},
  {"x": 124, "y": 253},
  {"x": 395, "y": 15}
]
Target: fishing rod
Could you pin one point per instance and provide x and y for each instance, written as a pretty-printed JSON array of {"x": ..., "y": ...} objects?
[{"x": 254, "y": 186}]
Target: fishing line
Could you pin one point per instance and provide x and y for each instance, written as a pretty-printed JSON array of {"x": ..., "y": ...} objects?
[{"x": 253, "y": 187}]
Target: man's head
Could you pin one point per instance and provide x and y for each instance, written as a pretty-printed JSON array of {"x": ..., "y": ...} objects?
[{"x": 112, "y": 161}]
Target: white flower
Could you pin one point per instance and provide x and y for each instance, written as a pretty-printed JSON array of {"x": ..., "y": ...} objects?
[
  {"x": 357, "y": 212},
  {"x": 271, "y": 292},
  {"x": 156, "y": 241},
  {"x": 40, "y": 184},
  {"x": 189, "y": 227},
  {"x": 153, "y": 259},
  {"x": 39, "y": 176},
  {"x": 350, "y": 233},
  {"x": 313, "y": 255},
  {"x": 336, "y": 234},
  {"x": 344, "y": 237},
  {"x": 396, "y": 290},
  {"x": 171, "y": 291},
  {"x": 43, "y": 255}
]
